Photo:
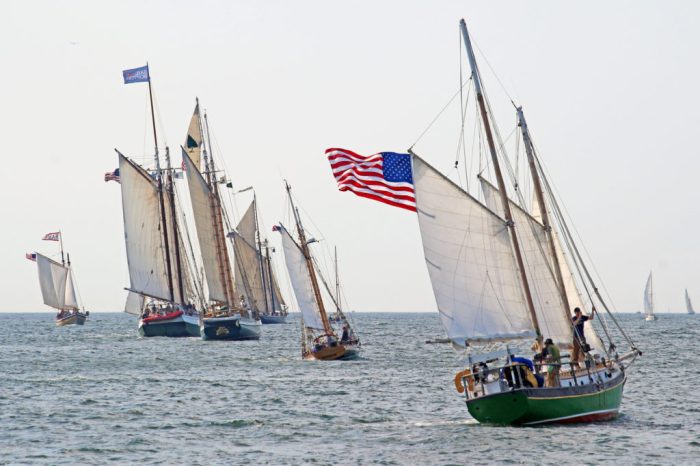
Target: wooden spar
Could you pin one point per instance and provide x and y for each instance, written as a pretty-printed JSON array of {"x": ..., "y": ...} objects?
[
  {"x": 269, "y": 275},
  {"x": 501, "y": 183},
  {"x": 60, "y": 238},
  {"x": 309, "y": 265},
  {"x": 223, "y": 262},
  {"x": 530, "y": 151},
  {"x": 258, "y": 252},
  {"x": 173, "y": 214},
  {"x": 161, "y": 200}
]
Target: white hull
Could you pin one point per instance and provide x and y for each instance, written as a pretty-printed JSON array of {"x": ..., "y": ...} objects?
[{"x": 650, "y": 318}]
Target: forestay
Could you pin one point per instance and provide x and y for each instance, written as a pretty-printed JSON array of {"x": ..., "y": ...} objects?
[
  {"x": 301, "y": 282},
  {"x": 142, "y": 231},
  {"x": 470, "y": 262}
]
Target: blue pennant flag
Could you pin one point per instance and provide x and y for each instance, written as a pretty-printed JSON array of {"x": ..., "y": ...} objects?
[{"x": 136, "y": 75}]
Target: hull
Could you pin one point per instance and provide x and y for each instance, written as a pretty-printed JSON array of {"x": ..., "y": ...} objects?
[
  {"x": 650, "y": 318},
  {"x": 73, "y": 319},
  {"x": 191, "y": 325},
  {"x": 532, "y": 406},
  {"x": 163, "y": 326},
  {"x": 334, "y": 353},
  {"x": 230, "y": 328},
  {"x": 270, "y": 319}
]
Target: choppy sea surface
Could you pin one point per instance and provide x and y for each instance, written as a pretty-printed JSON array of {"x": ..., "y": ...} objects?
[{"x": 100, "y": 394}]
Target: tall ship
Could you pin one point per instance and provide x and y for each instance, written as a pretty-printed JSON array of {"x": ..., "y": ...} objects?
[
  {"x": 506, "y": 272},
  {"x": 649, "y": 315},
  {"x": 161, "y": 287},
  {"x": 688, "y": 304},
  {"x": 319, "y": 340},
  {"x": 56, "y": 281},
  {"x": 228, "y": 314}
]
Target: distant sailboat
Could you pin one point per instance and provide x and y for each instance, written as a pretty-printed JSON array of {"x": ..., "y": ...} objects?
[
  {"x": 688, "y": 304},
  {"x": 225, "y": 316},
  {"x": 318, "y": 340},
  {"x": 649, "y": 300}
]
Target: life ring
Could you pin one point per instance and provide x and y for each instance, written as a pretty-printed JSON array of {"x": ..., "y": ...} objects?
[{"x": 458, "y": 381}]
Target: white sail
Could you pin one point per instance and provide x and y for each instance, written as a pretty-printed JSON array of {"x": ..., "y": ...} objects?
[
  {"x": 142, "y": 231},
  {"x": 553, "y": 319},
  {"x": 573, "y": 293},
  {"x": 70, "y": 301},
  {"x": 134, "y": 304},
  {"x": 204, "y": 220},
  {"x": 52, "y": 280},
  {"x": 301, "y": 282},
  {"x": 648, "y": 298},
  {"x": 688, "y": 304},
  {"x": 470, "y": 262},
  {"x": 193, "y": 142},
  {"x": 248, "y": 260}
]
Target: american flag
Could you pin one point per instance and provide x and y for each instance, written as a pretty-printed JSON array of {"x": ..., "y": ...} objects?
[
  {"x": 31, "y": 256},
  {"x": 55, "y": 236},
  {"x": 112, "y": 176},
  {"x": 385, "y": 177}
]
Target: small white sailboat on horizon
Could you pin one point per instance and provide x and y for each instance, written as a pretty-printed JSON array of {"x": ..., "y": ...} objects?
[
  {"x": 688, "y": 304},
  {"x": 649, "y": 300}
]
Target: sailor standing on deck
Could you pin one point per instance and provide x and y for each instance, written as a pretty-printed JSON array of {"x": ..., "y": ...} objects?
[{"x": 577, "y": 321}]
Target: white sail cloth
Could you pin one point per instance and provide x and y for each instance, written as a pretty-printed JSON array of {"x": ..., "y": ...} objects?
[
  {"x": 248, "y": 271},
  {"x": 470, "y": 262},
  {"x": 688, "y": 304},
  {"x": 134, "y": 304},
  {"x": 553, "y": 319},
  {"x": 648, "y": 297},
  {"x": 301, "y": 282},
  {"x": 56, "y": 284},
  {"x": 142, "y": 231},
  {"x": 204, "y": 220},
  {"x": 193, "y": 142}
]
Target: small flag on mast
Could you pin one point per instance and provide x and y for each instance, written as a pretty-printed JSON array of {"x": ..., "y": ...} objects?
[
  {"x": 385, "y": 177},
  {"x": 31, "y": 256},
  {"x": 136, "y": 75},
  {"x": 113, "y": 176},
  {"x": 55, "y": 236}
]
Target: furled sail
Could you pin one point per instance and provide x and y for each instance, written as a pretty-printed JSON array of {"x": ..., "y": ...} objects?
[
  {"x": 143, "y": 231},
  {"x": 553, "y": 319},
  {"x": 201, "y": 197},
  {"x": 688, "y": 304},
  {"x": 470, "y": 262},
  {"x": 56, "y": 286},
  {"x": 193, "y": 142},
  {"x": 301, "y": 282},
  {"x": 648, "y": 298}
]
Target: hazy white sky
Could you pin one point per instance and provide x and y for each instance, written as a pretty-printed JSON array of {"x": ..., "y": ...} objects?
[{"x": 610, "y": 90}]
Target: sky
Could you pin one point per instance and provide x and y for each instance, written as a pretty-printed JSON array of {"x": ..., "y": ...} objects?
[{"x": 610, "y": 91}]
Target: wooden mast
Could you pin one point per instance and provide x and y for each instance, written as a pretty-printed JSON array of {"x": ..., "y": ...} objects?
[
  {"x": 258, "y": 252},
  {"x": 161, "y": 200},
  {"x": 309, "y": 265},
  {"x": 530, "y": 151},
  {"x": 268, "y": 263},
  {"x": 501, "y": 184},
  {"x": 173, "y": 213}
]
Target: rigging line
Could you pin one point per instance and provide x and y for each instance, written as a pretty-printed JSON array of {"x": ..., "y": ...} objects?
[
  {"x": 483, "y": 55},
  {"x": 439, "y": 114}
]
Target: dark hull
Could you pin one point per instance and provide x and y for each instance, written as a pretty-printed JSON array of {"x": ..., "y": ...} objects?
[
  {"x": 164, "y": 328},
  {"x": 229, "y": 328},
  {"x": 268, "y": 319}
]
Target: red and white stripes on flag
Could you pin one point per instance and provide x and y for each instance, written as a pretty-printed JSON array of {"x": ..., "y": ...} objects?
[
  {"x": 55, "y": 236},
  {"x": 385, "y": 177},
  {"x": 31, "y": 256}
]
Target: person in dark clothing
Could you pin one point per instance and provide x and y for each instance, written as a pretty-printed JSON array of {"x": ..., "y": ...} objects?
[
  {"x": 578, "y": 321},
  {"x": 346, "y": 335}
]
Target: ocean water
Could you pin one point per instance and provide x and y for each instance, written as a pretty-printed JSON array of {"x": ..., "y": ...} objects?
[{"x": 100, "y": 394}]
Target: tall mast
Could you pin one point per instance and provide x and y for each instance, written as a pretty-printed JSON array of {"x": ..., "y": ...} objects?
[
  {"x": 259, "y": 254},
  {"x": 530, "y": 151},
  {"x": 499, "y": 177},
  {"x": 269, "y": 274},
  {"x": 60, "y": 239},
  {"x": 161, "y": 200},
  {"x": 222, "y": 254},
  {"x": 337, "y": 280},
  {"x": 309, "y": 264},
  {"x": 173, "y": 214}
]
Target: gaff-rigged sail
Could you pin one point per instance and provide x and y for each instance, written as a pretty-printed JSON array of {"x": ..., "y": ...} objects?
[
  {"x": 470, "y": 262},
  {"x": 56, "y": 284},
  {"x": 143, "y": 235},
  {"x": 301, "y": 282},
  {"x": 248, "y": 260}
]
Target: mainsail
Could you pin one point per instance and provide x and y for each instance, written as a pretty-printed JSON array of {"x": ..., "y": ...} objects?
[
  {"x": 56, "y": 284},
  {"x": 142, "y": 231},
  {"x": 248, "y": 260},
  {"x": 470, "y": 262},
  {"x": 301, "y": 282},
  {"x": 688, "y": 304},
  {"x": 649, "y": 298}
]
